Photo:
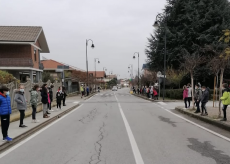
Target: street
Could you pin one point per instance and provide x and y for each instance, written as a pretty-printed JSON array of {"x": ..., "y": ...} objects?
[{"x": 118, "y": 128}]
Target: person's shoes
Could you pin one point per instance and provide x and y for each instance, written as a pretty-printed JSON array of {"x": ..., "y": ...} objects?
[
  {"x": 206, "y": 114},
  {"x": 196, "y": 112},
  {"x": 224, "y": 119},
  {"x": 7, "y": 139},
  {"x": 35, "y": 121},
  {"x": 46, "y": 116},
  {"x": 202, "y": 114},
  {"x": 48, "y": 113},
  {"x": 22, "y": 126}
]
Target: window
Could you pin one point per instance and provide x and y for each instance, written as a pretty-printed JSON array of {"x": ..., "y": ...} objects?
[{"x": 35, "y": 55}]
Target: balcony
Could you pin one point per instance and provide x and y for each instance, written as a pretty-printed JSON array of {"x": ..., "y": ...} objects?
[{"x": 16, "y": 62}]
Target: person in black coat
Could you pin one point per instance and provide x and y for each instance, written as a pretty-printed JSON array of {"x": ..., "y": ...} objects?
[
  {"x": 51, "y": 97},
  {"x": 204, "y": 100},
  {"x": 59, "y": 97},
  {"x": 44, "y": 95},
  {"x": 64, "y": 95}
]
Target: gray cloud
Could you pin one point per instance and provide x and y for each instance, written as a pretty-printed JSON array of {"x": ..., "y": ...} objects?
[{"x": 118, "y": 28}]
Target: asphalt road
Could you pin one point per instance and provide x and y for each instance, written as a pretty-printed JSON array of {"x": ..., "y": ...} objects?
[{"x": 117, "y": 128}]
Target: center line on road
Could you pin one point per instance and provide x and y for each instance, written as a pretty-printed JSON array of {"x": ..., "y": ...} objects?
[{"x": 136, "y": 151}]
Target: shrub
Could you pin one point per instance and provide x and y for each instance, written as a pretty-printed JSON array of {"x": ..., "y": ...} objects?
[{"x": 6, "y": 77}]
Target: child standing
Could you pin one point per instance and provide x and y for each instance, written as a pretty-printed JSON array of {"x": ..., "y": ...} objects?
[{"x": 59, "y": 97}]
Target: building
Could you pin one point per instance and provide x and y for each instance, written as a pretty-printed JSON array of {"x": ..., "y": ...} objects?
[
  {"x": 61, "y": 71},
  {"x": 100, "y": 76},
  {"x": 145, "y": 69},
  {"x": 20, "y": 48}
]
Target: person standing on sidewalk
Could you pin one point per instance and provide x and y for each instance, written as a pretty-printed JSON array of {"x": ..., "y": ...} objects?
[
  {"x": 59, "y": 97},
  {"x": 197, "y": 97},
  {"x": 34, "y": 102},
  {"x": 50, "y": 89},
  {"x": 64, "y": 95},
  {"x": 204, "y": 100},
  {"x": 5, "y": 111},
  {"x": 155, "y": 94},
  {"x": 185, "y": 95},
  {"x": 189, "y": 94},
  {"x": 225, "y": 100},
  {"x": 21, "y": 101},
  {"x": 87, "y": 90},
  {"x": 44, "y": 95},
  {"x": 82, "y": 91}
]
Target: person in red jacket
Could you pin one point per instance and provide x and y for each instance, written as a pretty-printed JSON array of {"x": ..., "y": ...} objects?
[
  {"x": 155, "y": 94},
  {"x": 185, "y": 95}
]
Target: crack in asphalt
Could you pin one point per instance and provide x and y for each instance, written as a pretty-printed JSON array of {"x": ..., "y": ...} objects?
[
  {"x": 96, "y": 158},
  {"x": 207, "y": 149},
  {"x": 167, "y": 120},
  {"x": 89, "y": 117}
]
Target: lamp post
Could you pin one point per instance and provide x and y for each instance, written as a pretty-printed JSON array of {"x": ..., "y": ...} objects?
[
  {"x": 161, "y": 18},
  {"x": 95, "y": 61},
  {"x": 87, "y": 40},
  {"x": 138, "y": 65},
  {"x": 110, "y": 73}
]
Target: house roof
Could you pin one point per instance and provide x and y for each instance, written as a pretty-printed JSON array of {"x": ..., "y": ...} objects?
[
  {"x": 24, "y": 35},
  {"x": 50, "y": 64},
  {"x": 98, "y": 73}
]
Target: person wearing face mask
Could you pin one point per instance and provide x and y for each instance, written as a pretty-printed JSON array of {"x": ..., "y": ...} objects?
[
  {"x": 59, "y": 97},
  {"x": 5, "y": 111},
  {"x": 21, "y": 101},
  {"x": 204, "y": 100},
  {"x": 44, "y": 96},
  {"x": 197, "y": 98},
  {"x": 225, "y": 100},
  {"x": 34, "y": 102}
]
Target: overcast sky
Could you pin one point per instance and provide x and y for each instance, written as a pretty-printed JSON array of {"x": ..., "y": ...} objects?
[{"x": 118, "y": 28}]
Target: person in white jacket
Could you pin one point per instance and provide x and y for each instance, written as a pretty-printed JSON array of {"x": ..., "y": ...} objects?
[{"x": 189, "y": 94}]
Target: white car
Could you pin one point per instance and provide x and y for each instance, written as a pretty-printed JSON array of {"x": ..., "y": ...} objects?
[{"x": 114, "y": 88}]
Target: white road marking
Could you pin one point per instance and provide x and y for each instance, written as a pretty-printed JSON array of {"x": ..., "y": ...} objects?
[
  {"x": 201, "y": 127},
  {"x": 136, "y": 151},
  {"x": 76, "y": 102},
  {"x": 35, "y": 134},
  {"x": 162, "y": 103}
]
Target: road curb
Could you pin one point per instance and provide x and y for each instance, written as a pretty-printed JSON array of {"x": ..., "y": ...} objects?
[
  {"x": 205, "y": 119},
  {"x": 28, "y": 133},
  {"x": 154, "y": 100}
]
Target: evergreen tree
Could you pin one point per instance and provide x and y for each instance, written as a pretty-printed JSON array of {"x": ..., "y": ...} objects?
[{"x": 191, "y": 24}]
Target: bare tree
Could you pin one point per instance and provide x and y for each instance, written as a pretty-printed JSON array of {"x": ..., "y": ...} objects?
[{"x": 190, "y": 62}]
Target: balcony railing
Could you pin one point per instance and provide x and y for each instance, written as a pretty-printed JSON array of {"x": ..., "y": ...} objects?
[{"x": 16, "y": 62}]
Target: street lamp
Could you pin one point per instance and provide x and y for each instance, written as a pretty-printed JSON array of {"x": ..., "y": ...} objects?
[
  {"x": 104, "y": 69},
  {"x": 138, "y": 65},
  {"x": 159, "y": 19},
  {"x": 92, "y": 46},
  {"x": 96, "y": 60}
]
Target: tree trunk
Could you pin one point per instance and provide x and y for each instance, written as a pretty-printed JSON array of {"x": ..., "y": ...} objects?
[
  {"x": 220, "y": 92},
  {"x": 217, "y": 82},
  {"x": 192, "y": 91},
  {"x": 214, "y": 98}
]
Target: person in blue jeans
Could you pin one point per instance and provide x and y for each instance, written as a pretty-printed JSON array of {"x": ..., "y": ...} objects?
[{"x": 5, "y": 111}]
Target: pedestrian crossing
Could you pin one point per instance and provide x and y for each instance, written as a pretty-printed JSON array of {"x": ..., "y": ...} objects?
[{"x": 112, "y": 94}]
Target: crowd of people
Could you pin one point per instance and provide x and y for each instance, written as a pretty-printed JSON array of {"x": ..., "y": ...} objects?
[
  {"x": 46, "y": 93},
  {"x": 201, "y": 98},
  {"x": 150, "y": 92}
]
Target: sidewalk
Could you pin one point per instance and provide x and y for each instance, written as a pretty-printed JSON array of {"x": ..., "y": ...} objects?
[
  {"x": 145, "y": 97},
  {"x": 212, "y": 117},
  {"x": 16, "y": 132}
]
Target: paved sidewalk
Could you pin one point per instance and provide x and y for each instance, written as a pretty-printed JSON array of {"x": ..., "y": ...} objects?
[{"x": 15, "y": 131}]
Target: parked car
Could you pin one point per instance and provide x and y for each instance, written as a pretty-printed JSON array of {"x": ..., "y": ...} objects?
[{"x": 114, "y": 88}]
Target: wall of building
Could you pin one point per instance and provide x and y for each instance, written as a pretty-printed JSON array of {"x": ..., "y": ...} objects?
[{"x": 15, "y": 51}]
